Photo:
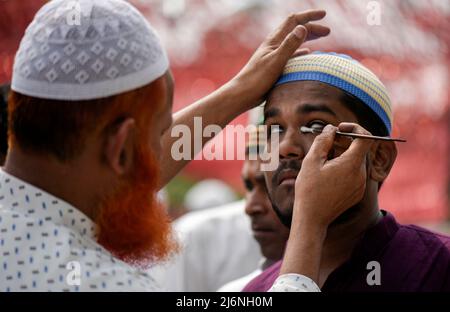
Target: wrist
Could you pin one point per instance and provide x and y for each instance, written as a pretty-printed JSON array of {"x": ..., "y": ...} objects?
[
  {"x": 310, "y": 232},
  {"x": 308, "y": 222},
  {"x": 304, "y": 249},
  {"x": 244, "y": 96}
]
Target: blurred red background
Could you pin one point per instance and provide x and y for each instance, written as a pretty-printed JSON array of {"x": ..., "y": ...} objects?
[{"x": 209, "y": 41}]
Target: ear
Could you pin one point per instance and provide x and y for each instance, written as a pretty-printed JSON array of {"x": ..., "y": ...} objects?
[
  {"x": 383, "y": 155},
  {"x": 119, "y": 146}
]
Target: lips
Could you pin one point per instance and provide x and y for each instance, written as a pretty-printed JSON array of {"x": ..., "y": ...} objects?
[
  {"x": 256, "y": 228},
  {"x": 287, "y": 177},
  {"x": 262, "y": 233},
  {"x": 259, "y": 224}
]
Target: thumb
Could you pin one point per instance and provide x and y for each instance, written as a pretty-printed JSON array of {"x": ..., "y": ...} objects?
[
  {"x": 292, "y": 42},
  {"x": 322, "y": 145}
]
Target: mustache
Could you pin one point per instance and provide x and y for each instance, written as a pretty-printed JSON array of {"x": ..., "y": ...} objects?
[{"x": 291, "y": 164}]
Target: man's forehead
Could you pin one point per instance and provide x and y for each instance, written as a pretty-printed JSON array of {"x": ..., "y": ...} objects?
[
  {"x": 302, "y": 98},
  {"x": 251, "y": 167},
  {"x": 301, "y": 90}
]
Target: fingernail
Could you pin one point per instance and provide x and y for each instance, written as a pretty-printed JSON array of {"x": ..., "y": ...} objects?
[
  {"x": 328, "y": 128},
  {"x": 299, "y": 32}
]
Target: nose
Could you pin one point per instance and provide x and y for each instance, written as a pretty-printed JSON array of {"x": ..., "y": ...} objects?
[
  {"x": 255, "y": 202},
  {"x": 292, "y": 145}
]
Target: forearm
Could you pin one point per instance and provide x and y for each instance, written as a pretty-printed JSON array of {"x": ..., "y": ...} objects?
[
  {"x": 218, "y": 108},
  {"x": 304, "y": 249}
]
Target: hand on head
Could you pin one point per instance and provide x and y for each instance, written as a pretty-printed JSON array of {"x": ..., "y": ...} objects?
[{"x": 267, "y": 63}]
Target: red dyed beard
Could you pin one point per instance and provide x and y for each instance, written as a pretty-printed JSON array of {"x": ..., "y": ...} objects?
[{"x": 132, "y": 224}]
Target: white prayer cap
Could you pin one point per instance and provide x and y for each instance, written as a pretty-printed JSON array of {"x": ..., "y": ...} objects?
[{"x": 86, "y": 49}]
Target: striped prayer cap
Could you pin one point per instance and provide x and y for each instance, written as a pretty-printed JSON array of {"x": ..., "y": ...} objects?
[{"x": 345, "y": 73}]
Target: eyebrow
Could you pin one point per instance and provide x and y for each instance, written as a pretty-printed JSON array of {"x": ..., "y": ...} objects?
[
  {"x": 303, "y": 109},
  {"x": 311, "y": 108},
  {"x": 271, "y": 112}
]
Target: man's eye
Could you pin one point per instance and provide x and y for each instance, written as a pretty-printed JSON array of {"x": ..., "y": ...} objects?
[
  {"x": 248, "y": 185},
  {"x": 317, "y": 125}
]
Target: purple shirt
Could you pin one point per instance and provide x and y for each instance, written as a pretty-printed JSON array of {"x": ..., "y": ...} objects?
[{"x": 411, "y": 259}]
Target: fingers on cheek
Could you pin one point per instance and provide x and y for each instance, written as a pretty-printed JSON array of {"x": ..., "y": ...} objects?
[{"x": 340, "y": 145}]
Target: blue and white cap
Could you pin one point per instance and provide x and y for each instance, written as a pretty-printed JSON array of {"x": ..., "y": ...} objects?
[{"x": 345, "y": 73}]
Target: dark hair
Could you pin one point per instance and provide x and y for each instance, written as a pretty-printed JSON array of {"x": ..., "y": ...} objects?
[
  {"x": 60, "y": 128},
  {"x": 365, "y": 115},
  {"x": 4, "y": 90}
]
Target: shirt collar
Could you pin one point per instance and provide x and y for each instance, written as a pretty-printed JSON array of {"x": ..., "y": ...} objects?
[
  {"x": 21, "y": 197},
  {"x": 376, "y": 237},
  {"x": 367, "y": 249}
]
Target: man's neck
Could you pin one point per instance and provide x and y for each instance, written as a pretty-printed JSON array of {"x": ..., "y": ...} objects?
[
  {"x": 52, "y": 176},
  {"x": 342, "y": 238}
]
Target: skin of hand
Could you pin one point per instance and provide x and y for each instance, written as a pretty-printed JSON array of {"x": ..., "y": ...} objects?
[
  {"x": 247, "y": 89},
  {"x": 267, "y": 63},
  {"x": 324, "y": 189}
]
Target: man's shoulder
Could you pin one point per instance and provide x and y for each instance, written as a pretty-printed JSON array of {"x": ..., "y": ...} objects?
[
  {"x": 417, "y": 259},
  {"x": 43, "y": 256},
  {"x": 426, "y": 238}
]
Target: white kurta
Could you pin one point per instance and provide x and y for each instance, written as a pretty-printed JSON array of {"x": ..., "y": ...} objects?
[
  {"x": 48, "y": 245},
  {"x": 218, "y": 247}
]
